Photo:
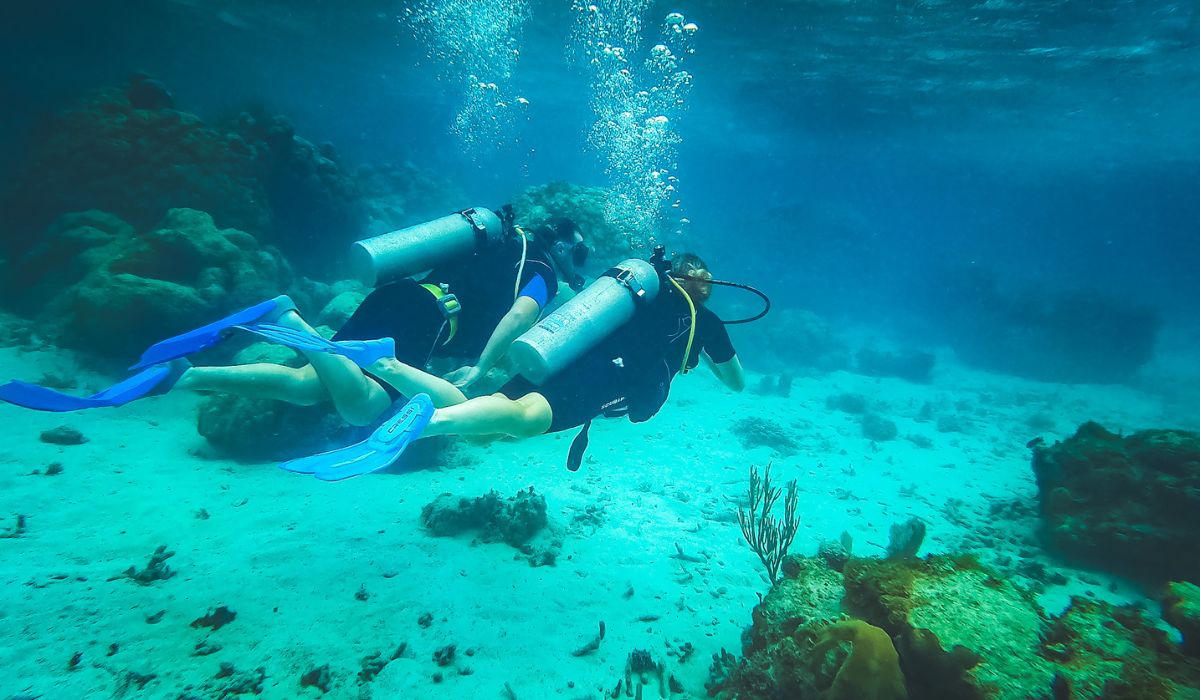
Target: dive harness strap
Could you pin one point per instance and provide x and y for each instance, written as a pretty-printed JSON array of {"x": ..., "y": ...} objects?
[
  {"x": 627, "y": 279},
  {"x": 481, "y": 233},
  {"x": 448, "y": 306}
]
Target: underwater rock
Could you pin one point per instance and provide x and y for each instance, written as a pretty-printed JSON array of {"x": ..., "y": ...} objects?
[
  {"x": 912, "y": 365},
  {"x": 136, "y": 159},
  {"x": 264, "y": 430},
  {"x": 238, "y": 683},
  {"x": 904, "y": 539},
  {"x": 340, "y": 309},
  {"x": 775, "y": 385},
  {"x": 130, "y": 152},
  {"x": 397, "y": 195},
  {"x": 877, "y": 428},
  {"x": 1048, "y": 335},
  {"x": 98, "y": 285},
  {"x": 847, "y": 403},
  {"x": 585, "y": 206},
  {"x": 155, "y": 570},
  {"x": 215, "y": 619},
  {"x": 320, "y": 677},
  {"x": 145, "y": 92},
  {"x": 792, "y": 651},
  {"x": 1181, "y": 608},
  {"x": 798, "y": 340},
  {"x": 515, "y": 520},
  {"x": 960, "y": 631},
  {"x": 316, "y": 203},
  {"x": 764, "y": 432},
  {"x": 16, "y": 530},
  {"x": 62, "y": 435},
  {"x": 1129, "y": 505},
  {"x": 1106, "y": 651}
]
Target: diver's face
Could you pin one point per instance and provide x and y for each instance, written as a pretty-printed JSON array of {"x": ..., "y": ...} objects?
[
  {"x": 696, "y": 284},
  {"x": 570, "y": 257}
]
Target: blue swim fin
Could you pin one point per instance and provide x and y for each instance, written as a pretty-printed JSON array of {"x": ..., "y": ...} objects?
[
  {"x": 361, "y": 352},
  {"x": 379, "y": 451},
  {"x": 207, "y": 336},
  {"x": 314, "y": 463},
  {"x": 153, "y": 381}
]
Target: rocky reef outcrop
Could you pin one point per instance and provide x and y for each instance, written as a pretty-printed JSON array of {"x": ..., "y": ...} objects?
[
  {"x": 1125, "y": 504},
  {"x": 131, "y": 152},
  {"x": 96, "y": 282},
  {"x": 106, "y": 153},
  {"x": 941, "y": 628},
  {"x": 583, "y": 205},
  {"x": 797, "y": 340},
  {"x": 1045, "y": 334}
]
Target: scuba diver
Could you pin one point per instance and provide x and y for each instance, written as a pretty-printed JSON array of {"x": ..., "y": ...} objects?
[
  {"x": 610, "y": 351},
  {"x": 489, "y": 282}
]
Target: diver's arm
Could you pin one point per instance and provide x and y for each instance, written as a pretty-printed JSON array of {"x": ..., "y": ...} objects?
[
  {"x": 729, "y": 372},
  {"x": 520, "y": 318}
]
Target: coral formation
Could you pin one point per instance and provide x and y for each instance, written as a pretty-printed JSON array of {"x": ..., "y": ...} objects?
[
  {"x": 799, "y": 340},
  {"x": 583, "y": 205},
  {"x": 877, "y": 428},
  {"x": 107, "y": 154},
  {"x": 97, "y": 284},
  {"x": 62, "y": 435},
  {"x": 130, "y": 152},
  {"x": 1181, "y": 608},
  {"x": 764, "y": 432},
  {"x": 768, "y": 535},
  {"x": 1130, "y": 505},
  {"x": 871, "y": 671},
  {"x": 912, "y": 365},
  {"x": 515, "y": 520},
  {"x": 904, "y": 539},
  {"x": 1049, "y": 335},
  {"x": 957, "y": 631},
  {"x": 847, "y": 403},
  {"x": 399, "y": 195}
]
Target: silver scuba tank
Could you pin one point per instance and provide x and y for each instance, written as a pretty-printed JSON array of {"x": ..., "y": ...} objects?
[
  {"x": 582, "y": 322},
  {"x": 391, "y": 256}
]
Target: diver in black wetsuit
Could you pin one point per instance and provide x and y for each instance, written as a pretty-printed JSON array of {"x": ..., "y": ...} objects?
[
  {"x": 499, "y": 291},
  {"x": 628, "y": 373}
]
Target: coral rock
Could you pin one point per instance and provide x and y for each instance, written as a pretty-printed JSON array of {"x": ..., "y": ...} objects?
[{"x": 1130, "y": 505}]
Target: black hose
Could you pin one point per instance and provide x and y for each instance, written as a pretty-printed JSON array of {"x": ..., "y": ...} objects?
[{"x": 736, "y": 285}]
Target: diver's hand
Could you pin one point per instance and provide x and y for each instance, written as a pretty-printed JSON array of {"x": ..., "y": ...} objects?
[{"x": 464, "y": 377}]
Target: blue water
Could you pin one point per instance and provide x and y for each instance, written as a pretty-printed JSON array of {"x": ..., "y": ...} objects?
[{"x": 1005, "y": 188}]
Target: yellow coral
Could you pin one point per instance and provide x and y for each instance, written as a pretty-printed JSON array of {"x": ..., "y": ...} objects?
[{"x": 871, "y": 671}]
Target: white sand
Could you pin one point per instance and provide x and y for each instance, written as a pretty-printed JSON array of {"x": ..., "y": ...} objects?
[{"x": 288, "y": 553}]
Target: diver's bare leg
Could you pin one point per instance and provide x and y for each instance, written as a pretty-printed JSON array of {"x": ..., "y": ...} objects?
[
  {"x": 525, "y": 417},
  {"x": 409, "y": 380},
  {"x": 358, "y": 398},
  {"x": 260, "y": 380}
]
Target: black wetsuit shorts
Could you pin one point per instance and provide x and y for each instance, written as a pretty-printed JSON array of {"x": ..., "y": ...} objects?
[
  {"x": 590, "y": 387},
  {"x": 404, "y": 311}
]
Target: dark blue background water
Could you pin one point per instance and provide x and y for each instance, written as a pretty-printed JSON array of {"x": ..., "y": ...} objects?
[{"x": 837, "y": 155}]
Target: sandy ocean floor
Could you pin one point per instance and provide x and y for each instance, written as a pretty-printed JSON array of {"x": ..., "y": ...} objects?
[{"x": 291, "y": 554}]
